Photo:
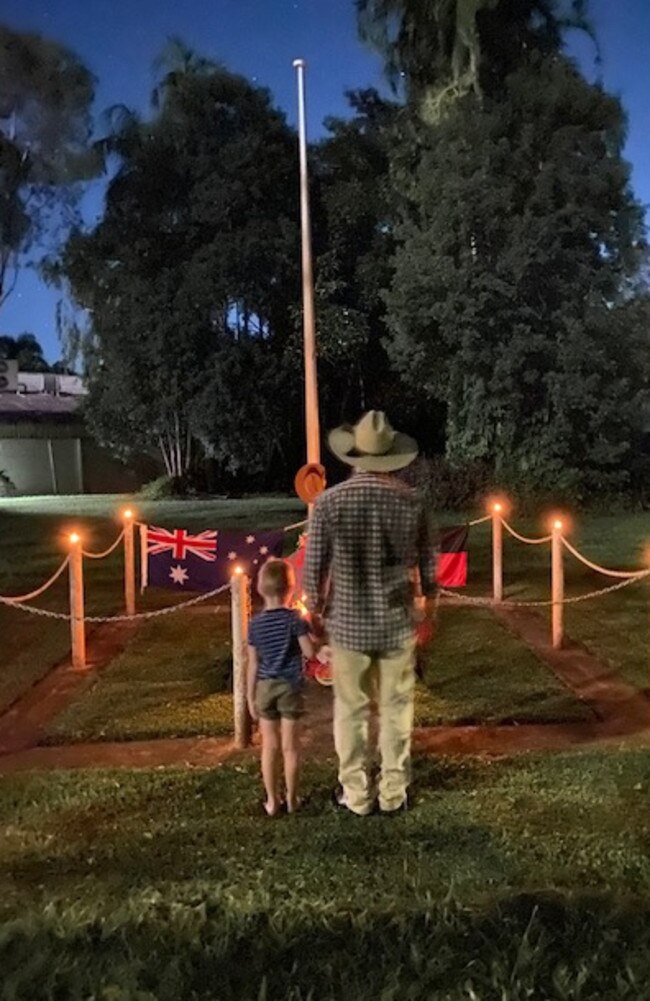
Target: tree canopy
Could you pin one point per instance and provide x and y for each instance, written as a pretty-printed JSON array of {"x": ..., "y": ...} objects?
[
  {"x": 191, "y": 273},
  {"x": 517, "y": 238},
  {"x": 26, "y": 350},
  {"x": 46, "y": 95}
]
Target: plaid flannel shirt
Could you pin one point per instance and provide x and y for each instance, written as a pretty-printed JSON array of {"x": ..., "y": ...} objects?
[{"x": 367, "y": 539}]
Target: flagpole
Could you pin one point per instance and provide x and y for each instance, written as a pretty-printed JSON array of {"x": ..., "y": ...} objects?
[{"x": 312, "y": 422}]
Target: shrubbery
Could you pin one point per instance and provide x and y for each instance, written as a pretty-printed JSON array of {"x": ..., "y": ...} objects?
[{"x": 447, "y": 487}]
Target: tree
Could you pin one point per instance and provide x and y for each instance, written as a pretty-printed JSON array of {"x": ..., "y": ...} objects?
[
  {"x": 193, "y": 264},
  {"x": 176, "y": 62},
  {"x": 440, "y": 50},
  {"x": 355, "y": 213},
  {"x": 45, "y": 99},
  {"x": 26, "y": 350},
  {"x": 518, "y": 238}
]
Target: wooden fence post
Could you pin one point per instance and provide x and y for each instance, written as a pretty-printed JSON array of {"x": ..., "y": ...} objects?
[
  {"x": 557, "y": 586},
  {"x": 239, "y": 602},
  {"x": 497, "y": 554},
  {"x": 129, "y": 562},
  {"x": 77, "y": 620}
]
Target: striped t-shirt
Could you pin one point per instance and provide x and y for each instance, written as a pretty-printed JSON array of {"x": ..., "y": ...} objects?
[{"x": 274, "y": 634}]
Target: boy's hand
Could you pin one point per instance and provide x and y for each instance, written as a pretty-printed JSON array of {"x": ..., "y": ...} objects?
[{"x": 252, "y": 709}]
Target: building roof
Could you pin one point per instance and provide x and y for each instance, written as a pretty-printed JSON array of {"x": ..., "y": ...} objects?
[{"x": 18, "y": 407}]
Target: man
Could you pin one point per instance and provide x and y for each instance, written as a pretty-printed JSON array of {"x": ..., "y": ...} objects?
[{"x": 368, "y": 538}]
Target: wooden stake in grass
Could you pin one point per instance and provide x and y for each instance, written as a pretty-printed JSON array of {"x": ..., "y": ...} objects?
[
  {"x": 557, "y": 586},
  {"x": 77, "y": 619},
  {"x": 129, "y": 562},
  {"x": 497, "y": 553},
  {"x": 239, "y": 601}
]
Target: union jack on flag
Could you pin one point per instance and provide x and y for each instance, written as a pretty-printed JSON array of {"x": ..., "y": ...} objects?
[{"x": 180, "y": 543}]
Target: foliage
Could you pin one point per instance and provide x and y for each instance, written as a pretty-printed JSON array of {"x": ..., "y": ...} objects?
[
  {"x": 440, "y": 50},
  {"x": 446, "y": 487},
  {"x": 508, "y": 297},
  {"x": 161, "y": 489},
  {"x": 355, "y": 245},
  {"x": 26, "y": 350},
  {"x": 45, "y": 98},
  {"x": 249, "y": 435},
  {"x": 193, "y": 260},
  {"x": 354, "y": 248}
]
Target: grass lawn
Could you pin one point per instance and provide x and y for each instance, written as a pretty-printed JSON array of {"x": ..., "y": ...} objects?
[
  {"x": 477, "y": 671},
  {"x": 173, "y": 680},
  {"x": 511, "y": 880},
  {"x": 32, "y": 543}
]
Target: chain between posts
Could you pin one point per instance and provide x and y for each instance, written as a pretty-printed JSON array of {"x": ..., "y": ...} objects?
[
  {"x": 489, "y": 602},
  {"x": 156, "y": 613}
]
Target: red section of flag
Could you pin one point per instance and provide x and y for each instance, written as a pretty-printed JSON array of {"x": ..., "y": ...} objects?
[
  {"x": 297, "y": 560},
  {"x": 452, "y": 569}
]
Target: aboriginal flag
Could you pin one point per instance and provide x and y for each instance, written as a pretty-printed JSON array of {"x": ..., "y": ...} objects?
[{"x": 452, "y": 557}]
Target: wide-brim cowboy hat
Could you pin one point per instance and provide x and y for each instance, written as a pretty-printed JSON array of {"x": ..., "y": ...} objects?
[{"x": 372, "y": 445}]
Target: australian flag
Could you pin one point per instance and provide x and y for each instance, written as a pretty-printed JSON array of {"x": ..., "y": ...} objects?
[{"x": 205, "y": 561}]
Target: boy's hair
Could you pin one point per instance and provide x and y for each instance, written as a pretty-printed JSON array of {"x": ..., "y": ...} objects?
[{"x": 276, "y": 579}]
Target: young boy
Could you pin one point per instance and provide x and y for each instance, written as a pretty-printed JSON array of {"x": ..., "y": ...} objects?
[{"x": 277, "y": 640}]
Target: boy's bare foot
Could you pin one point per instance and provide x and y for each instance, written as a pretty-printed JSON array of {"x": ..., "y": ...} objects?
[
  {"x": 294, "y": 805},
  {"x": 272, "y": 807}
]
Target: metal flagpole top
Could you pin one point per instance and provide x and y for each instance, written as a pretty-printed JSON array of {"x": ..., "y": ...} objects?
[{"x": 299, "y": 63}]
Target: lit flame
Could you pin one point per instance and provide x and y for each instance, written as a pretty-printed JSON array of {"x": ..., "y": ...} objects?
[
  {"x": 74, "y": 538},
  {"x": 498, "y": 508},
  {"x": 557, "y": 524},
  {"x": 128, "y": 513},
  {"x": 301, "y": 607},
  {"x": 238, "y": 570}
]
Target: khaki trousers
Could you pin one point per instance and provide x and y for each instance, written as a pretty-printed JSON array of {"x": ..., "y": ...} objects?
[{"x": 388, "y": 676}]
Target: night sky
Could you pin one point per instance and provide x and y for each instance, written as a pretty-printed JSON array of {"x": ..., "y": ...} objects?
[{"x": 118, "y": 40}]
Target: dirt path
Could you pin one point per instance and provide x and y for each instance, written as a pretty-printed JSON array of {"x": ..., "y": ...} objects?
[
  {"x": 23, "y": 723},
  {"x": 596, "y": 683},
  {"x": 621, "y": 712}
]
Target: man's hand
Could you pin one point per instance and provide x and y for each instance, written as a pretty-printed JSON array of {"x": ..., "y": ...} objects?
[
  {"x": 252, "y": 708},
  {"x": 425, "y": 610},
  {"x": 424, "y": 632}
]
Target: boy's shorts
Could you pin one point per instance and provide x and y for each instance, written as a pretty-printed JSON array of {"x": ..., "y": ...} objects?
[{"x": 276, "y": 698}]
